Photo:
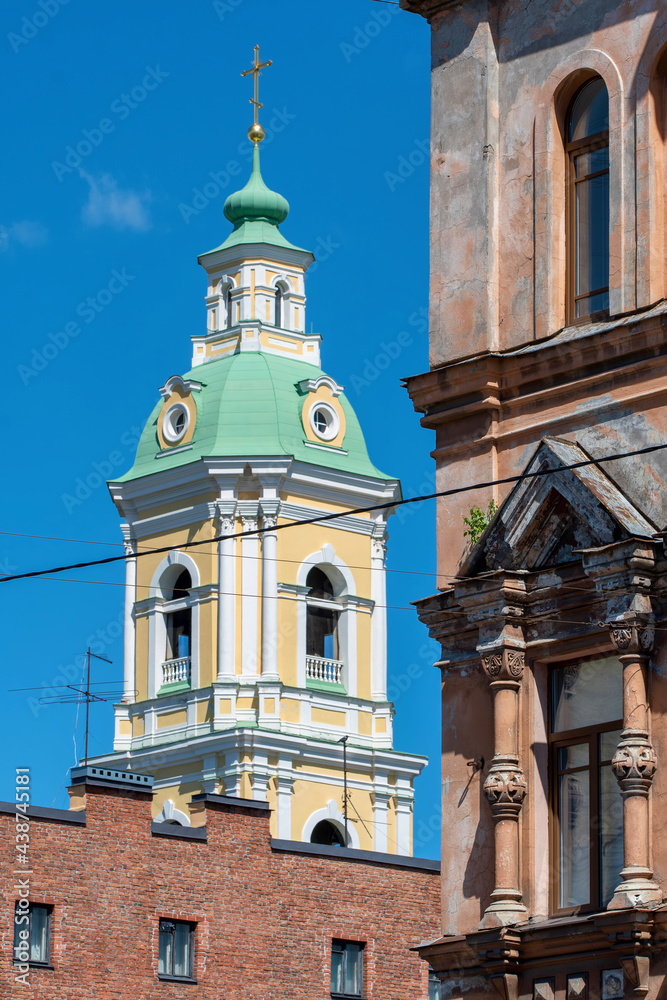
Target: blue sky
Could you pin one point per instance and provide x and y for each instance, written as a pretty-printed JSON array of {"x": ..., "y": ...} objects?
[{"x": 124, "y": 134}]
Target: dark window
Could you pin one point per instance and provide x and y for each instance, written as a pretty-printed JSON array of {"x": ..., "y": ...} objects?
[
  {"x": 587, "y": 810},
  {"x": 588, "y": 198},
  {"x": 321, "y": 621},
  {"x": 176, "y": 951},
  {"x": 326, "y": 833},
  {"x": 32, "y": 935},
  {"x": 179, "y": 628},
  {"x": 228, "y": 307},
  {"x": 433, "y": 985},
  {"x": 278, "y": 307},
  {"x": 346, "y": 968},
  {"x": 179, "y": 623}
]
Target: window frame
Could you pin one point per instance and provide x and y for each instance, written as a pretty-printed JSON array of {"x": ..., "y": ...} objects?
[
  {"x": 46, "y": 964},
  {"x": 361, "y": 946},
  {"x": 555, "y": 741},
  {"x": 169, "y": 977},
  {"x": 590, "y": 143}
]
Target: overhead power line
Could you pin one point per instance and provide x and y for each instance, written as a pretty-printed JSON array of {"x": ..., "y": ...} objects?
[{"x": 321, "y": 518}]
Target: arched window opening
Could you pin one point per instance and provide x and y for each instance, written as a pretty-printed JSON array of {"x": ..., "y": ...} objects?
[
  {"x": 178, "y": 629},
  {"x": 181, "y": 586},
  {"x": 321, "y": 621},
  {"x": 326, "y": 833},
  {"x": 587, "y": 146},
  {"x": 228, "y": 306},
  {"x": 278, "y": 311}
]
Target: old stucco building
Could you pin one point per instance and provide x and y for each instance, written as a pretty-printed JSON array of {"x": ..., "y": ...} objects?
[{"x": 547, "y": 339}]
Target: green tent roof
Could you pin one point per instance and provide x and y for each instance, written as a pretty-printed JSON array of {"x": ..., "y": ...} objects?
[{"x": 250, "y": 405}]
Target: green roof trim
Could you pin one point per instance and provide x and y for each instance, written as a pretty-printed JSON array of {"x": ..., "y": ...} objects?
[{"x": 250, "y": 406}]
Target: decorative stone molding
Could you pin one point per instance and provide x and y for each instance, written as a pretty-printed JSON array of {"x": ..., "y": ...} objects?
[
  {"x": 505, "y": 788},
  {"x": 632, "y": 637},
  {"x": 577, "y": 987},
  {"x": 543, "y": 989},
  {"x": 504, "y": 664},
  {"x": 634, "y": 764}
]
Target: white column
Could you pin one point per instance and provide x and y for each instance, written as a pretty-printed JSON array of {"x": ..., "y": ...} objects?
[
  {"x": 269, "y": 592},
  {"x": 226, "y": 593},
  {"x": 380, "y": 805},
  {"x": 404, "y": 797},
  {"x": 249, "y": 589},
  {"x": 129, "y": 637},
  {"x": 379, "y": 617},
  {"x": 284, "y": 800}
]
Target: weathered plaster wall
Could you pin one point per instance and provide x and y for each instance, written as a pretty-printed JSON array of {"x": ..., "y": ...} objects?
[{"x": 502, "y": 76}]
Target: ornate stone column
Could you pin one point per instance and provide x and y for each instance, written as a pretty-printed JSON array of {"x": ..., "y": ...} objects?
[
  {"x": 129, "y": 635},
  {"x": 505, "y": 785},
  {"x": 226, "y": 592},
  {"x": 634, "y": 764}
]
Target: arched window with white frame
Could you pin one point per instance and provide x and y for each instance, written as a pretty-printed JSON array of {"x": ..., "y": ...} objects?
[{"x": 174, "y": 626}]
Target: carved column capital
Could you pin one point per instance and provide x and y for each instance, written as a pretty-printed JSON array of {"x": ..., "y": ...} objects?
[
  {"x": 634, "y": 764},
  {"x": 130, "y": 547},
  {"x": 632, "y": 637},
  {"x": 504, "y": 664}
]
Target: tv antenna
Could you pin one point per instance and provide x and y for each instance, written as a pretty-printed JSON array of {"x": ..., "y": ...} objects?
[{"x": 76, "y": 695}]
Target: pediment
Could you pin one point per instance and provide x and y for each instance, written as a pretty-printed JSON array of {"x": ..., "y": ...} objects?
[{"x": 546, "y": 518}]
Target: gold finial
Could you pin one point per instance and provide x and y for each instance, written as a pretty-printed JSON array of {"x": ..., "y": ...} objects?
[{"x": 256, "y": 133}]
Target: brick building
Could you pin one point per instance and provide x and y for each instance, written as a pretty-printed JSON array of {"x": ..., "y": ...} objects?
[
  {"x": 220, "y": 907},
  {"x": 548, "y": 354}
]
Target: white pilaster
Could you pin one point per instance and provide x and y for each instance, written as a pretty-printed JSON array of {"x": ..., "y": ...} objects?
[
  {"x": 380, "y": 805},
  {"x": 404, "y": 797},
  {"x": 379, "y": 615},
  {"x": 226, "y": 592},
  {"x": 249, "y": 590},
  {"x": 269, "y": 591},
  {"x": 129, "y": 637},
  {"x": 284, "y": 799}
]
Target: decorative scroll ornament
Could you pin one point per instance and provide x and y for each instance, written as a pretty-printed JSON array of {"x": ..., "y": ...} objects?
[
  {"x": 505, "y": 788},
  {"x": 249, "y": 522},
  {"x": 504, "y": 664},
  {"x": 130, "y": 547},
  {"x": 634, "y": 764}
]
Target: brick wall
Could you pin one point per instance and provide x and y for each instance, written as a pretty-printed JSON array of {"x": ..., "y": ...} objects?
[{"x": 266, "y": 912}]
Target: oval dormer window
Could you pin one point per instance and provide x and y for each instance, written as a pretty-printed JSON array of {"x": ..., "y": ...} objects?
[
  {"x": 176, "y": 421},
  {"x": 325, "y": 421}
]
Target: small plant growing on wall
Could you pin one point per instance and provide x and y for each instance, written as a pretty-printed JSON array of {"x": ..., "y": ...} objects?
[{"x": 478, "y": 521}]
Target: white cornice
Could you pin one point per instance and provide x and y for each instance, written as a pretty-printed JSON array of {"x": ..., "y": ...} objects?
[{"x": 247, "y": 253}]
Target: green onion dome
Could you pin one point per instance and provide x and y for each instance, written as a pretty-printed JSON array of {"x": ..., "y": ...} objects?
[{"x": 256, "y": 201}]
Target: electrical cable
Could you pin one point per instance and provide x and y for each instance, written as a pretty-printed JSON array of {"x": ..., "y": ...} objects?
[{"x": 321, "y": 518}]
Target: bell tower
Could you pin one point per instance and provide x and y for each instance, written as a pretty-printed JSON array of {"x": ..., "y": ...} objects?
[{"x": 256, "y": 646}]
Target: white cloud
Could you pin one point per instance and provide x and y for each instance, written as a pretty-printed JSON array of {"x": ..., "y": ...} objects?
[
  {"x": 110, "y": 205},
  {"x": 25, "y": 233}
]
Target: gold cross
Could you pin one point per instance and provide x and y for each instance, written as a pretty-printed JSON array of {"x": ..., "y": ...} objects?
[{"x": 255, "y": 70}]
